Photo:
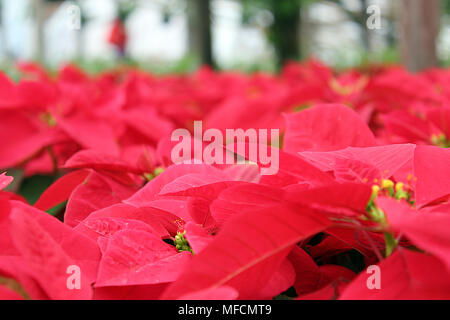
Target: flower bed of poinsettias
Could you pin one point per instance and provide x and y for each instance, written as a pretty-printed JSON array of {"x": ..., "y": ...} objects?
[{"x": 358, "y": 209}]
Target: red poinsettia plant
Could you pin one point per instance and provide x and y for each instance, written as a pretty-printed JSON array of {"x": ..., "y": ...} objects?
[{"x": 358, "y": 209}]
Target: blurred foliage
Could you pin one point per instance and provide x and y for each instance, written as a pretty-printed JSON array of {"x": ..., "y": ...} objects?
[
  {"x": 10, "y": 70},
  {"x": 446, "y": 6},
  {"x": 125, "y": 9},
  {"x": 188, "y": 64},
  {"x": 185, "y": 65},
  {"x": 283, "y": 31},
  {"x": 268, "y": 66},
  {"x": 31, "y": 188},
  {"x": 388, "y": 56}
]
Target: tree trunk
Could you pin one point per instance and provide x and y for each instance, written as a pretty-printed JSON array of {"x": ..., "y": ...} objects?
[
  {"x": 38, "y": 9},
  {"x": 284, "y": 32},
  {"x": 365, "y": 31},
  {"x": 419, "y": 28},
  {"x": 200, "y": 39},
  {"x": 79, "y": 49},
  {"x": 42, "y": 10}
]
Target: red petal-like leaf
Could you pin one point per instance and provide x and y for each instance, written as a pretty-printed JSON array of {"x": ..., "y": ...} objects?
[
  {"x": 139, "y": 258},
  {"x": 90, "y": 133},
  {"x": 61, "y": 190},
  {"x": 427, "y": 230},
  {"x": 343, "y": 128},
  {"x": 245, "y": 253},
  {"x": 387, "y": 159},
  {"x": 49, "y": 251},
  {"x": 150, "y": 191},
  {"x": 404, "y": 275},
  {"x": 92, "y": 159},
  {"x": 432, "y": 170},
  {"x": 96, "y": 193}
]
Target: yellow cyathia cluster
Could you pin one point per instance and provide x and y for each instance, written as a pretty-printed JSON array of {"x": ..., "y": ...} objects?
[
  {"x": 440, "y": 140},
  {"x": 389, "y": 188}
]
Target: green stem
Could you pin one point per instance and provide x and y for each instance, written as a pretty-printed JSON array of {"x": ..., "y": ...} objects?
[{"x": 391, "y": 243}]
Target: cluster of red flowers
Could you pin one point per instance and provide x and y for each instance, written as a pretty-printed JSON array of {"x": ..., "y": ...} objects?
[{"x": 359, "y": 208}]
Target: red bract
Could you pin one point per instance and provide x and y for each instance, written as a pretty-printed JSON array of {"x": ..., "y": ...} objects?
[
  {"x": 432, "y": 169},
  {"x": 90, "y": 132},
  {"x": 385, "y": 160},
  {"x": 46, "y": 248},
  {"x": 406, "y": 275},
  {"x": 92, "y": 159},
  {"x": 362, "y": 185},
  {"x": 61, "y": 190},
  {"x": 326, "y": 128},
  {"x": 21, "y": 138},
  {"x": 246, "y": 253},
  {"x": 97, "y": 192},
  {"x": 134, "y": 257},
  {"x": 427, "y": 230}
]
